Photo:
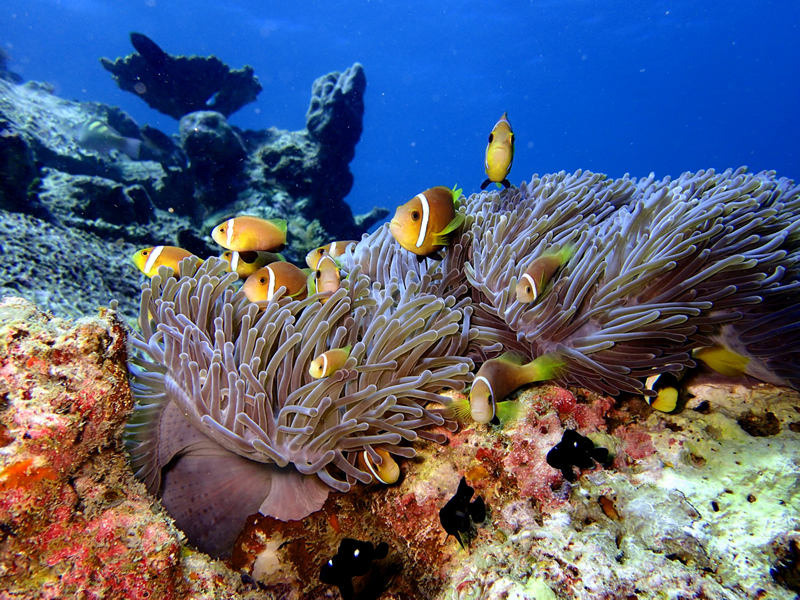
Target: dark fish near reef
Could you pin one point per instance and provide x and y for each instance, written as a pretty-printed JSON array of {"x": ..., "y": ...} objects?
[
  {"x": 250, "y": 234},
  {"x": 456, "y": 514},
  {"x": 263, "y": 284},
  {"x": 499, "y": 153},
  {"x": 249, "y": 263},
  {"x": 148, "y": 260},
  {"x": 353, "y": 559},
  {"x": 149, "y": 50},
  {"x": 423, "y": 224},
  {"x": 497, "y": 378},
  {"x": 536, "y": 277},
  {"x": 575, "y": 450},
  {"x": 334, "y": 250},
  {"x": 101, "y": 137}
]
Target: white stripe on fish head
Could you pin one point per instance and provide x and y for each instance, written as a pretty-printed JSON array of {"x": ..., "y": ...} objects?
[
  {"x": 229, "y": 231},
  {"x": 426, "y": 214},
  {"x": 153, "y": 258},
  {"x": 324, "y": 364},
  {"x": 533, "y": 285},
  {"x": 491, "y": 392},
  {"x": 271, "y": 284},
  {"x": 234, "y": 261}
]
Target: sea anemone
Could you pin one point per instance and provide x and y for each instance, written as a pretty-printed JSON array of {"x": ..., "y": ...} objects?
[{"x": 229, "y": 421}]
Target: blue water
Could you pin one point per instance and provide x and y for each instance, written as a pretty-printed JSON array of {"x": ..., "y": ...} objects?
[{"x": 616, "y": 86}]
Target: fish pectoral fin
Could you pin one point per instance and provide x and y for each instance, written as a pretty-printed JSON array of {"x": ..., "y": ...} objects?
[
  {"x": 485, "y": 184},
  {"x": 509, "y": 410},
  {"x": 442, "y": 238}
]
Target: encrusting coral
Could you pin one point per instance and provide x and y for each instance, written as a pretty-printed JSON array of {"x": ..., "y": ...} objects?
[{"x": 659, "y": 268}]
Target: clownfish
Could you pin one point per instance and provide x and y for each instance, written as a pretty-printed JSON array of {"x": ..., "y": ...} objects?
[
  {"x": 246, "y": 267},
  {"x": 499, "y": 153},
  {"x": 387, "y": 473},
  {"x": 263, "y": 284},
  {"x": 334, "y": 250},
  {"x": 148, "y": 260},
  {"x": 722, "y": 360},
  {"x": 327, "y": 363},
  {"x": 423, "y": 224},
  {"x": 497, "y": 378},
  {"x": 326, "y": 277},
  {"x": 538, "y": 275},
  {"x": 667, "y": 393},
  {"x": 250, "y": 234}
]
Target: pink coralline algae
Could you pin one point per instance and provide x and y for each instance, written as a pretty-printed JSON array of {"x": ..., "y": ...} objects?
[{"x": 74, "y": 523}]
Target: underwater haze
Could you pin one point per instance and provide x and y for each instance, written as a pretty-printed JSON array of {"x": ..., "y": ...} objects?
[{"x": 614, "y": 86}]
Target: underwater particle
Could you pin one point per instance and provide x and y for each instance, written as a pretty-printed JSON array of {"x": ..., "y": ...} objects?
[
  {"x": 575, "y": 450},
  {"x": 499, "y": 153},
  {"x": 456, "y": 514},
  {"x": 353, "y": 559}
]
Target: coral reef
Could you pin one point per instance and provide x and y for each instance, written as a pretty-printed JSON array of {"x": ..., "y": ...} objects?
[
  {"x": 105, "y": 206},
  {"x": 179, "y": 85}
]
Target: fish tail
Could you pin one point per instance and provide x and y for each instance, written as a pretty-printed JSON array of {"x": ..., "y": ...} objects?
[
  {"x": 485, "y": 184},
  {"x": 505, "y": 183},
  {"x": 131, "y": 147},
  {"x": 509, "y": 410},
  {"x": 546, "y": 367}
]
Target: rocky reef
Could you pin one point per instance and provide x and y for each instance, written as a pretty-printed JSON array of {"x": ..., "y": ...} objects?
[
  {"x": 702, "y": 503},
  {"x": 76, "y": 207}
]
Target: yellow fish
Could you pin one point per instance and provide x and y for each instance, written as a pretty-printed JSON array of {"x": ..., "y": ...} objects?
[
  {"x": 245, "y": 267},
  {"x": 387, "y": 472},
  {"x": 327, "y": 363},
  {"x": 497, "y": 378},
  {"x": 250, "y": 234},
  {"x": 423, "y": 224},
  {"x": 334, "y": 250},
  {"x": 538, "y": 275},
  {"x": 263, "y": 284},
  {"x": 148, "y": 260},
  {"x": 499, "y": 153}
]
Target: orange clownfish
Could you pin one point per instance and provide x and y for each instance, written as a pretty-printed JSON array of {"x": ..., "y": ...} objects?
[
  {"x": 246, "y": 267},
  {"x": 327, "y": 363},
  {"x": 334, "y": 250},
  {"x": 536, "y": 277},
  {"x": 263, "y": 284},
  {"x": 326, "y": 276},
  {"x": 249, "y": 234},
  {"x": 388, "y": 472},
  {"x": 499, "y": 153},
  {"x": 148, "y": 260},
  {"x": 423, "y": 224}
]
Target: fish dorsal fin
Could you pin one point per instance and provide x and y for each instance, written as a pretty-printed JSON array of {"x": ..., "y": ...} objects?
[
  {"x": 513, "y": 358},
  {"x": 457, "y": 192}
]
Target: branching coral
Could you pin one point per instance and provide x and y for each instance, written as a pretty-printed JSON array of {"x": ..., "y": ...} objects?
[{"x": 219, "y": 379}]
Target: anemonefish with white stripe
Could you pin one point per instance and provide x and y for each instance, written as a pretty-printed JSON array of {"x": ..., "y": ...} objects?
[
  {"x": 423, "y": 224},
  {"x": 666, "y": 387},
  {"x": 387, "y": 473},
  {"x": 250, "y": 234},
  {"x": 499, "y": 153},
  {"x": 148, "y": 260},
  {"x": 334, "y": 250},
  {"x": 263, "y": 284},
  {"x": 326, "y": 277},
  {"x": 497, "y": 378},
  {"x": 327, "y": 363},
  {"x": 536, "y": 277},
  {"x": 244, "y": 266}
]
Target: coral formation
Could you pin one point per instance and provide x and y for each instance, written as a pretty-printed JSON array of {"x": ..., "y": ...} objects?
[{"x": 178, "y": 85}]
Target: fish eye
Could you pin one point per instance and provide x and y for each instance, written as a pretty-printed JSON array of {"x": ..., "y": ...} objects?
[
  {"x": 263, "y": 280},
  {"x": 320, "y": 251},
  {"x": 318, "y": 274},
  {"x": 491, "y": 137},
  {"x": 528, "y": 289},
  {"x": 145, "y": 253},
  {"x": 222, "y": 229},
  {"x": 415, "y": 215}
]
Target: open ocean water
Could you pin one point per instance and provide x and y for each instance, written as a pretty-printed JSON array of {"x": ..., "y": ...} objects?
[{"x": 613, "y": 86}]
